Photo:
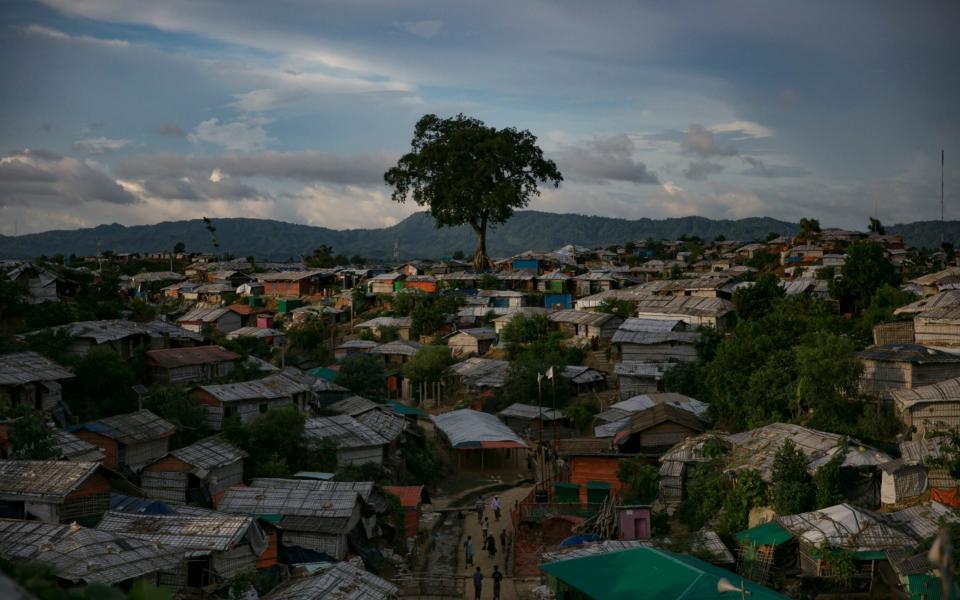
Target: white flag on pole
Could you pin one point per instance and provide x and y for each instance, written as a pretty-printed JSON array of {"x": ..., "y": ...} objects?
[{"x": 550, "y": 373}]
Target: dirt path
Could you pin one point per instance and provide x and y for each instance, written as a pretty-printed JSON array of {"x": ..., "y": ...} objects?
[{"x": 480, "y": 557}]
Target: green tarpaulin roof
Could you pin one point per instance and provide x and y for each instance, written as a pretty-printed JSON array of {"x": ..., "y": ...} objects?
[
  {"x": 323, "y": 373},
  {"x": 403, "y": 409},
  {"x": 648, "y": 573},
  {"x": 768, "y": 534},
  {"x": 927, "y": 587}
]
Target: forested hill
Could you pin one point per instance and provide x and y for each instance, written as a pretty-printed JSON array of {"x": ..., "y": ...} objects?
[{"x": 416, "y": 236}]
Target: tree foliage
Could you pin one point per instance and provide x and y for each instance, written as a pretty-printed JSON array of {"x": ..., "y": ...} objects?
[
  {"x": 428, "y": 365},
  {"x": 103, "y": 385},
  {"x": 616, "y": 306},
  {"x": 32, "y": 438},
  {"x": 470, "y": 174},
  {"x": 865, "y": 270},
  {"x": 791, "y": 483},
  {"x": 755, "y": 301},
  {"x": 363, "y": 374},
  {"x": 277, "y": 446},
  {"x": 639, "y": 479},
  {"x": 175, "y": 405}
]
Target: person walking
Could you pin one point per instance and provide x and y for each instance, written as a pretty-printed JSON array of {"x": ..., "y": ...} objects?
[
  {"x": 477, "y": 583},
  {"x": 486, "y": 529},
  {"x": 496, "y": 505},
  {"x": 497, "y": 577},
  {"x": 503, "y": 540},
  {"x": 478, "y": 505},
  {"x": 491, "y": 545},
  {"x": 468, "y": 546}
]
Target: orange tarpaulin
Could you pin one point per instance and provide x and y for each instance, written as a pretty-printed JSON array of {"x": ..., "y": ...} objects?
[{"x": 948, "y": 496}]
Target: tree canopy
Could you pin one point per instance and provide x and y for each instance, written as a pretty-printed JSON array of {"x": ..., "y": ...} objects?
[
  {"x": 363, "y": 374},
  {"x": 470, "y": 174}
]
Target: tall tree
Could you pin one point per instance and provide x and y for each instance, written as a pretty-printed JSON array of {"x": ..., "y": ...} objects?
[{"x": 470, "y": 174}]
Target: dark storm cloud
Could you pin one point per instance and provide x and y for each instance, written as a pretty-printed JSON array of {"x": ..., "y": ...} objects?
[
  {"x": 604, "y": 159},
  {"x": 45, "y": 178}
]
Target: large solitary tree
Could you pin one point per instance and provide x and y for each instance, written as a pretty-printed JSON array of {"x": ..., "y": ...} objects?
[{"x": 470, "y": 174}]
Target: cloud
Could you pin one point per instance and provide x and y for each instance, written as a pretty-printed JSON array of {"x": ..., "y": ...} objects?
[
  {"x": 422, "y": 29},
  {"x": 245, "y": 135},
  {"x": 170, "y": 130},
  {"x": 100, "y": 145},
  {"x": 324, "y": 205},
  {"x": 604, "y": 159},
  {"x": 699, "y": 140},
  {"x": 49, "y": 32},
  {"x": 672, "y": 188},
  {"x": 42, "y": 178},
  {"x": 746, "y": 129},
  {"x": 216, "y": 176},
  {"x": 305, "y": 166},
  {"x": 700, "y": 170},
  {"x": 758, "y": 168}
]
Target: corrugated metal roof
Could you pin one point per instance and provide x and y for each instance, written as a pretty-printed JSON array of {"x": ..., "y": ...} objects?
[
  {"x": 479, "y": 333},
  {"x": 172, "y": 358},
  {"x": 340, "y": 581},
  {"x": 328, "y": 512},
  {"x": 685, "y": 305},
  {"x": 519, "y": 410},
  {"x": 166, "y": 329},
  {"x": 847, "y": 527},
  {"x": 102, "y": 332},
  {"x": 292, "y": 275},
  {"x": 629, "y": 368},
  {"x": 358, "y": 344},
  {"x": 206, "y": 531},
  {"x": 256, "y": 332},
  {"x": 387, "y": 423},
  {"x": 284, "y": 384},
  {"x": 81, "y": 554},
  {"x": 470, "y": 429},
  {"x": 580, "y": 317},
  {"x": 49, "y": 479},
  {"x": 73, "y": 448},
  {"x": 346, "y": 431},
  {"x": 131, "y": 428},
  {"x": 757, "y": 448},
  {"x": 210, "y": 453},
  {"x": 353, "y": 406},
  {"x": 366, "y": 490},
  {"x": 923, "y": 450},
  {"x": 645, "y": 338},
  {"x": 651, "y": 325},
  {"x": 27, "y": 367},
  {"x": 398, "y": 347},
  {"x": 939, "y": 300},
  {"x": 582, "y": 374},
  {"x": 944, "y": 391},
  {"x": 385, "y": 322},
  {"x": 660, "y": 413},
  {"x": 482, "y": 372}
]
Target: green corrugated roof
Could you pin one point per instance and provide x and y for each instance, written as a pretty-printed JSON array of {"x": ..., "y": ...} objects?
[
  {"x": 768, "y": 534},
  {"x": 648, "y": 573},
  {"x": 927, "y": 587}
]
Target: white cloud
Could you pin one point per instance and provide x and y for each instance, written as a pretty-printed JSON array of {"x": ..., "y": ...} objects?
[
  {"x": 216, "y": 175},
  {"x": 245, "y": 135},
  {"x": 672, "y": 188},
  {"x": 423, "y": 29},
  {"x": 747, "y": 129},
  {"x": 100, "y": 145},
  {"x": 49, "y": 32},
  {"x": 323, "y": 205}
]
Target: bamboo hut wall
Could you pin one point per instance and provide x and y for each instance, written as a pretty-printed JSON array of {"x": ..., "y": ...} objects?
[
  {"x": 167, "y": 486},
  {"x": 934, "y": 416},
  {"x": 233, "y": 562},
  {"x": 898, "y": 332},
  {"x": 634, "y": 386},
  {"x": 933, "y": 373},
  {"x": 881, "y": 377},
  {"x": 937, "y": 332},
  {"x": 147, "y": 452},
  {"x": 226, "y": 477},
  {"x": 333, "y": 544},
  {"x": 940, "y": 478}
]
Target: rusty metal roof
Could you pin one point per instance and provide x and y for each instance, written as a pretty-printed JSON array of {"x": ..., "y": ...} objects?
[{"x": 173, "y": 358}]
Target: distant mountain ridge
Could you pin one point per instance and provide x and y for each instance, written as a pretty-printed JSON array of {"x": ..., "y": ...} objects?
[{"x": 416, "y": 236}]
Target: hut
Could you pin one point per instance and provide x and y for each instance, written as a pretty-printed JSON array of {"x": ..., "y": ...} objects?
[
  {"x": 652, "y": 431},
  {"x": 32, "y": 380},
  {"x": 930, "y": 408},
  {"x": 56, "y": 491},
  {"x": 693, "y": 310},
  {"x": 635, "y": 378},
  {"x": 938, "y": 326},
  {"x": 591, "y": 463},
  {"x": 904, "y": 366},
  {"x": 82, "y": 555},
  {"x": 471, "y": 342},
  {"x": 655, "y": 341},
  {"x": 250, "y": 399},
  {"x": 296, "y": 283},
  {"x": 402, "y": 326},
  {"x": 536, "y": 422},
  {"x": 385, "y": 283},
  {"x": 195, "y": 473},
  {"x": 305, "y": 515},
  {"x": 584, "y": 378},
  {"x": 585, "y": 324},
  {"x": 174, "y": 366},
  {"x": 901, "y": 480},
  {"x": 216, "y": 547},
  {"x": 126, "y": 338},
  {"x": 356, "y": 443},
  {"x": 221, "y": 319},
  {"x": 412, "y": 499},
  {"x": 130, "y": 441},
  {"x": 610, "y": 421},
  {"x": 481, "y": 436},
  {"x": 353, "y": 347},
  {"x": 479, "y": 375}
]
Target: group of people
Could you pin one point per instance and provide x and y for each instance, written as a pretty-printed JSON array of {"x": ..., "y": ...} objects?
[{"x": 488, "y": 543}]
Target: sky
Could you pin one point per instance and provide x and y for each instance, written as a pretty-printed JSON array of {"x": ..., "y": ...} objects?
[{"x": 141, "y": 111}]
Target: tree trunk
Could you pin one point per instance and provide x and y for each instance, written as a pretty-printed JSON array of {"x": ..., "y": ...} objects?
[{"x": 481, "y": 262}]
